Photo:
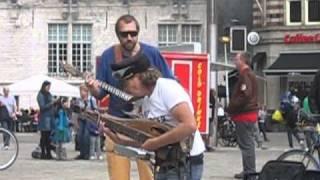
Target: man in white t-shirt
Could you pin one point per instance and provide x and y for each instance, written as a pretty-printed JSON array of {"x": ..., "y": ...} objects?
[
  {"x": 10, "y": 103},
  {"x": 167, "y": 100}
]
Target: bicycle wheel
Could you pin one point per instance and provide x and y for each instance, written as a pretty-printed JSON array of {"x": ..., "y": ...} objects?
[
  {"x": 9, "y": 149},
  {"x": 300, "y": 155}
]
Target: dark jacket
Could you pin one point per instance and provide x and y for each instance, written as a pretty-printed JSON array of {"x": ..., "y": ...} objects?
[
  {"x": 46, "y": 118},
  {"x": 314, "y": 96},
  {"x": 244, "y": 97}
]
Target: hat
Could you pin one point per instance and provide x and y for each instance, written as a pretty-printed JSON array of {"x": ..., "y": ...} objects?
[{"x": 128, "y": 67}]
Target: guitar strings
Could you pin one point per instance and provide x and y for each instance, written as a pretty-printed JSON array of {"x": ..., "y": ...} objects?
[{"x": 116, "y": 92}]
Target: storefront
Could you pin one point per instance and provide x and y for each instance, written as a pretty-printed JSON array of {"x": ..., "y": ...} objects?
[{"x": 292, "y": 59}]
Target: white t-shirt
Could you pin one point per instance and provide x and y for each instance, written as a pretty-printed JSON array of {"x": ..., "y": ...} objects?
[
  {"x": 220, "y": 111},
  {"x": 9, "y": 102},
  {"x": 166, "y": 94}
]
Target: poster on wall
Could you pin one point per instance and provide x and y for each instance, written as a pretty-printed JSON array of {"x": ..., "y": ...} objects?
[{"x": 192, "y": 71}]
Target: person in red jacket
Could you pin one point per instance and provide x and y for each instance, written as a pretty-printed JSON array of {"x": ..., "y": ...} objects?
[{"x": 243, "y": 109}]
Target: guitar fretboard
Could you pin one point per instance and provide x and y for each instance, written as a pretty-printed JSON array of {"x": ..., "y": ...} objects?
[{"x": 115, "y": 91}]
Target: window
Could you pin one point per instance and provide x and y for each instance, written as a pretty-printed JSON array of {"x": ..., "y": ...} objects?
[
  {"x": 174, "y": 34},
  {"x": 294, "y": 15},
  {"x": 312, "y": 11},
  {"x": 303, "y": 11},
  {"x": 167, "y": 34},
  {"x": 191, "y": 33},
  {"x": 58, "y": 40},
  {"x": 81, "y": 47},
  {"x": 58, "y": 47},
  {"x": 72, "y": 1}
]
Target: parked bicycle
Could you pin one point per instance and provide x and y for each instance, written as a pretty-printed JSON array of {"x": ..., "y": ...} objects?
[
  {"x": 227, "y": 133},
  {"x": 310, "y": 125},
  {"x": 8, "y": 152}
]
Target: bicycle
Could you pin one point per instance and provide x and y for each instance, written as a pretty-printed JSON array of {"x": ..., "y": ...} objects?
[
  {"x": 227, "y": 133},
  {"x": 308, "y": 123},
  {"x": 8, "y": 154}
]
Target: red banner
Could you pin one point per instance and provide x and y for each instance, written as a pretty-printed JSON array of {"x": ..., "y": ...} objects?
[{"x": 192, "y": 71}]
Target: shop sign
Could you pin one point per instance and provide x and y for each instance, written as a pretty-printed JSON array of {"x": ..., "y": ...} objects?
[
  {"x": 192, "y": 71},
  {"x": 301, "y": 38}
]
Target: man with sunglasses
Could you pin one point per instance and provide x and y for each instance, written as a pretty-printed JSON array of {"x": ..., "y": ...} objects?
[{"x": 127, "y": 30}]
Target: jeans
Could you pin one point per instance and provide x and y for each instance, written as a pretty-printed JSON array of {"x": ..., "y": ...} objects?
[
  {"x": 95, "y": 148},
  {"x": 83, "y": 139},
  {"x": 6, "y": 138},
  {"x": 174, "y": 173},
  {"x": 195, "y": 172}
]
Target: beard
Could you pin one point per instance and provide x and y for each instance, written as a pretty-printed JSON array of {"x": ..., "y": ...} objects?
[{"x": 129, "y": 45}]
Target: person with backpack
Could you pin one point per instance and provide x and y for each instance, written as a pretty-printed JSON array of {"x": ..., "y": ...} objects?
[
  {"x": 290, "y": 105},
  {"x": 83, "y": 136}
]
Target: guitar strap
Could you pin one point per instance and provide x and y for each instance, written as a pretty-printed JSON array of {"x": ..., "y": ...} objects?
[
  {"x": 117, "y": 59},
  {"x": 117, "y": 53}
]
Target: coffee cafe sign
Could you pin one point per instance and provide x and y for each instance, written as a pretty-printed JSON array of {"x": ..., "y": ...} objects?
[{"x": 301, "y": 38}]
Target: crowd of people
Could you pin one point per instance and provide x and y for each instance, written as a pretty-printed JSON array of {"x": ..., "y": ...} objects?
[{"x": 140, "y": 70}]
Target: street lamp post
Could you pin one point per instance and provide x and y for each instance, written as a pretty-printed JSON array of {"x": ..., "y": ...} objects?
[{"x": 225, "y": 40}]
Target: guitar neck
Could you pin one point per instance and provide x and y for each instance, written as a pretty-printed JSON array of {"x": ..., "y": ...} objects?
[
  {"x": 115, "y": 91},
  {"x": 118, "y": 126}
]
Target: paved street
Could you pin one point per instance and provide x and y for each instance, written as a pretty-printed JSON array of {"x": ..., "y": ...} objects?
[{"x": 221, "y": 164}]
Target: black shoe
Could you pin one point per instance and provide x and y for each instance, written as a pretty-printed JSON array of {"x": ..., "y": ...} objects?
[
  {"x": 43, "y": 156},
  {"x": 49, "y": 157},
  {"x": 239, "y": 175}
]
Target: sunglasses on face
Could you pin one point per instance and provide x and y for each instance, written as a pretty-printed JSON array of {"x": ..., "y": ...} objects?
[{"x": 126, "y": 33}]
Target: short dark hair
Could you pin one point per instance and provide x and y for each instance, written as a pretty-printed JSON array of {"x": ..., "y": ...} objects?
[
  {"x": 246, "y": 57},
  {"x": 127, "y": 18}
]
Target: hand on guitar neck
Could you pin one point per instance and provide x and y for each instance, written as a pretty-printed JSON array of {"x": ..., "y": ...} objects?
[{"x": 95, "y": 85}]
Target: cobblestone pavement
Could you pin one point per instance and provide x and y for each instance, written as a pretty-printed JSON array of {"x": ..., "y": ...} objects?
[{"x": 221, "y": 164}]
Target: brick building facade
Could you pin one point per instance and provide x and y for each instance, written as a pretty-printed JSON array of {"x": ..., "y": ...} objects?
[{"x": 36, "y": 34}]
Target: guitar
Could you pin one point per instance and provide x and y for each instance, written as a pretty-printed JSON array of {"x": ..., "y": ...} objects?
[
  {"x": 140, "y": 130},
  {"x": 107, "y": 87}
]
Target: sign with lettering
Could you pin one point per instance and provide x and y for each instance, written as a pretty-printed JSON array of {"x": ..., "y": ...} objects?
[
  {"x": 301, "y": 38},
  {"x": 192, "y": 71}
]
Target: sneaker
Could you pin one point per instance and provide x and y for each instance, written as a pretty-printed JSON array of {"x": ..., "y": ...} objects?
[
  {"x": 100, "y": 157},
  {"x": 92, "y": 158},
  {"x": 239, "y": 175}
]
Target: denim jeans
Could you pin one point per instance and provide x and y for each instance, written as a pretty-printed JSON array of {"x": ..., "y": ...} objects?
[
  {"x": 95, "y": 148},
  {"x": 172, "y": 174},
  {"x": 83, "y": 139},
  {"x": 6, "y": 138},
  {"x": 195, "y": 172}
]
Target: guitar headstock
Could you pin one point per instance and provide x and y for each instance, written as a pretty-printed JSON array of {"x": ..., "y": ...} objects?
[{"x": 70, "y": 69}]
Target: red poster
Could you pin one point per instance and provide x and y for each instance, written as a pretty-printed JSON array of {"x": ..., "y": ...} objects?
[{"x": 192, "y": 71}]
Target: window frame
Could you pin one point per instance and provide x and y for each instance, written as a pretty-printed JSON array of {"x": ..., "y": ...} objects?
[
  {"x": 307, "y": 22},
  {"x": 58, "y": 37},
  {"x": 179, "y": 33},
  {"x": 57, "y": 42},
  {"x": 288, "y": 22}
]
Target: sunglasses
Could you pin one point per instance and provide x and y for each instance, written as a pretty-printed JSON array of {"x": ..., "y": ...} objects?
[{"x": 126, "y": 33}]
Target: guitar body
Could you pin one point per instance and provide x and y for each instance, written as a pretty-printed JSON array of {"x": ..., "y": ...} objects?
[{"x": 140, "y": 130}]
